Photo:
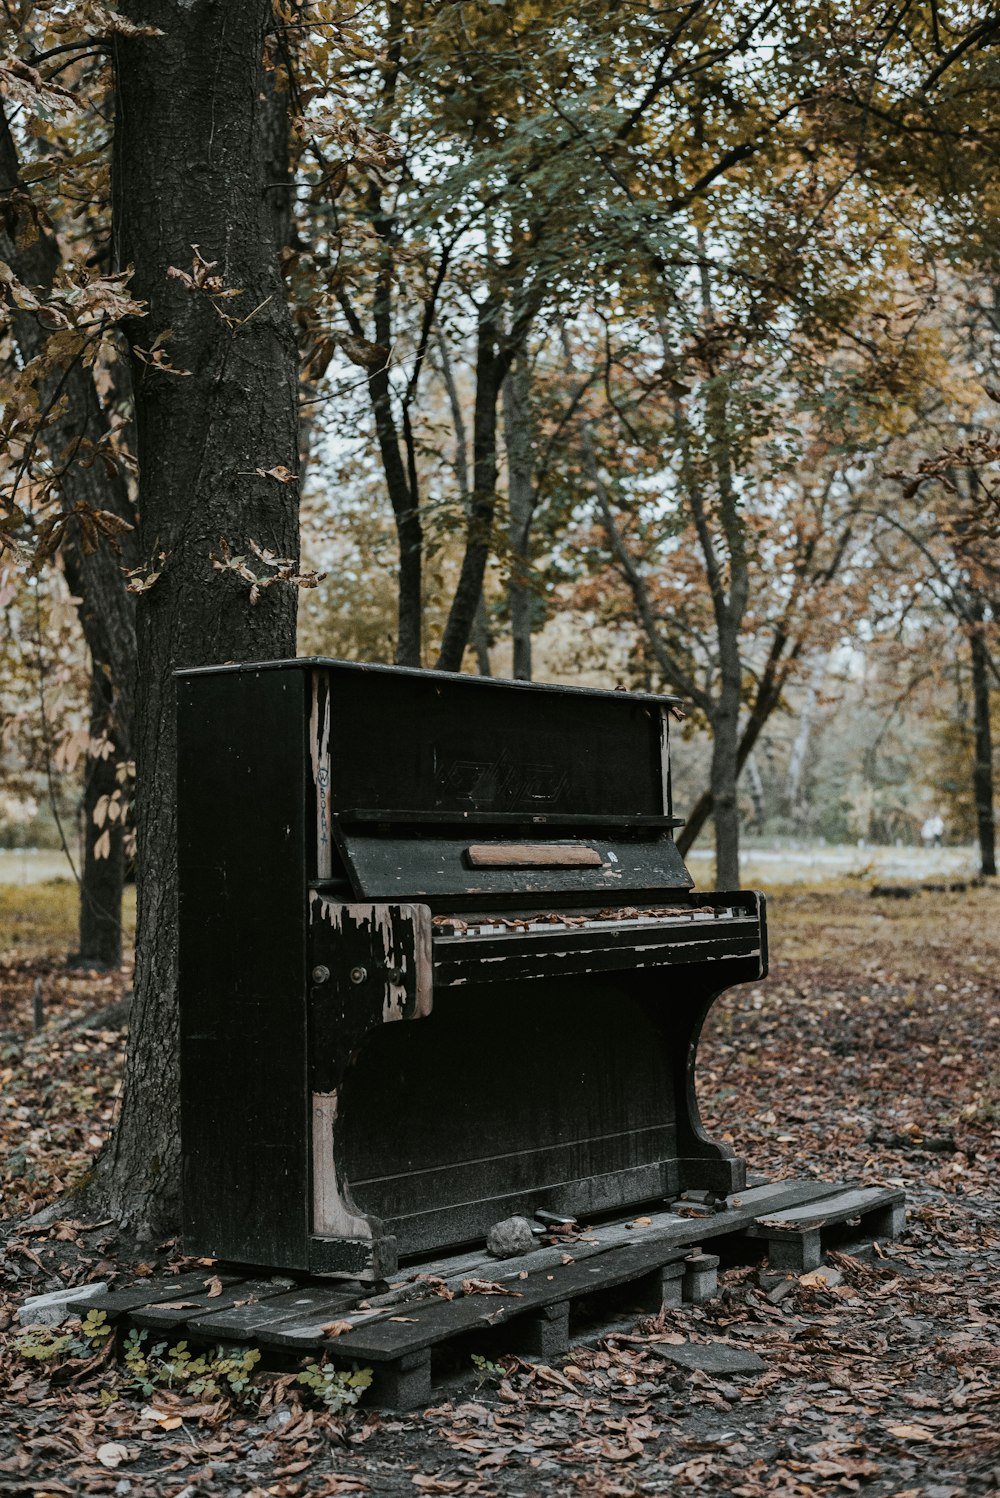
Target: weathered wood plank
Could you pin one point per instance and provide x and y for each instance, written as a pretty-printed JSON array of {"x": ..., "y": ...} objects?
[
  {"x": 420, "y": 1326},
  {"x": 147, "y": 1292},
  {"x": 857, "y": 1202},
  {"x": 531, "y": 856},
  {"x": 246, "y": 1322},
  {"x": 175, "y": 1313}
]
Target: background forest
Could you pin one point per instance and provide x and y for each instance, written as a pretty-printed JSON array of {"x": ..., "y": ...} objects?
[{"x": 639, "y": 344}]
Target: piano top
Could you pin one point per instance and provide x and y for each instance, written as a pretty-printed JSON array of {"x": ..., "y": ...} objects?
[
  {"x": 316, "y": 662},
  {"x": 456, "y": 790}
]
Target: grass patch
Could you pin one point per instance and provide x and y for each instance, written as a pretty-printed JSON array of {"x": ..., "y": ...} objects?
[{"x": 42, "y": 920}]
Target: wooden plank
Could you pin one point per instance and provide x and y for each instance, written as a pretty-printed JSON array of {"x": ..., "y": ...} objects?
[
  {"x": 836, "y": 1208},
  {"x": 178, "y": 1311},
  {"x": 531, "y": 856},
  {"x": 245, "y": 1322},
  {"x": 147, "y": 1292},
  {"x": 745, "y": 1206},
  {"x": 302, "y": 1332},
  {"x": 665, "y": 1237},
  {"x": 778, "y": 1195},
  {"x": 420, "y": 1326}
]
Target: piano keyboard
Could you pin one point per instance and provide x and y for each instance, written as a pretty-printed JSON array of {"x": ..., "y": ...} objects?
[{"x": 544, "y": 923}]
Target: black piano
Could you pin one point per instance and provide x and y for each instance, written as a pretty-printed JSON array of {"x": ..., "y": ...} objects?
[{"x": 440, "y": 962}]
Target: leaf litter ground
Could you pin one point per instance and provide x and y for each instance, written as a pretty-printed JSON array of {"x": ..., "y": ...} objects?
[{"x": 871, "y": 1052}]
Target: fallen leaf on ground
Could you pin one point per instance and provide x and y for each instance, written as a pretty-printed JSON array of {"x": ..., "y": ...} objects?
[{"x": 112, "y": 1454}]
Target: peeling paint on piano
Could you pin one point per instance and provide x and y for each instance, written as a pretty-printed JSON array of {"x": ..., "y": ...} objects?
[{"x": 319, "y": 750}]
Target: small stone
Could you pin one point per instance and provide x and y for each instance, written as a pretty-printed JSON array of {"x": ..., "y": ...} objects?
[
  {"x": 710, "y": 1357},
  {"x": 823, "y": 1278},
  {"x": 508, "y": 1239},
  {"x": 51, "y": 1309},
  {"x": 777, "y": 1292}
]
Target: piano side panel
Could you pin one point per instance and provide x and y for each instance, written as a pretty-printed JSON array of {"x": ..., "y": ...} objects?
[{"x": 243, "y": 985}]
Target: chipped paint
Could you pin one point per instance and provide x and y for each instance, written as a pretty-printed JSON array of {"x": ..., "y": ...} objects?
[
  {"x": 319, "y": 754},
  {"x": 666, "y": 791},
  {"x": 333, "y": 1214},
  {"x": 392, "y": 929}
]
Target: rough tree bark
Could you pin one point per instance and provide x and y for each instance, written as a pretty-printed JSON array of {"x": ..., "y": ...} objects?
[
  {"x": 496, "y": 350},
  {"x": 491, "y": 366},
  {"x": 106, "y": 611},
  {"x": 480, "y": 635},
  {"x": 982, "y": 778},
  {"x": 521, "y": 509},
  {"x": 190, "y": 171}
]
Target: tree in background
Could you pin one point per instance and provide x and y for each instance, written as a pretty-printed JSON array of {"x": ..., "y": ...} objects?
[{"x": 68, "y": 484}]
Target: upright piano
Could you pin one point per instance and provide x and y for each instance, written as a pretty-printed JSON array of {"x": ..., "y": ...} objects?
[{"x": 440, "y": 962}]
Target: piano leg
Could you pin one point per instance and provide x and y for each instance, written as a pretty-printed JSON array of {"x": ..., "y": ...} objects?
[{"x": 703, "y": 1163}]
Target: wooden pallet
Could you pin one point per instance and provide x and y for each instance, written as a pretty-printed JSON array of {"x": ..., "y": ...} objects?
[
  {"x": 798, "y": 1237},
  {"x": 653, "y": 1260}
]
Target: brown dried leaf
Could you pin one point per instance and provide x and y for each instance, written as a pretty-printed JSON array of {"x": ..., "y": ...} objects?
[
  {"x": 487, "y": 1287},
  {"x": 336, "y": 1328},
  {"x": 279, "y": 472}
]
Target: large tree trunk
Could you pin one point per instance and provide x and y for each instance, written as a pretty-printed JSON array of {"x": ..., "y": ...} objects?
[
  {"x": 189, "y": 170},
  {"x": 521, "y": 507},
  {"x": 480, "y": 635},
  {"x": 106, "y": 611},
  {"x": 496, "y": 351},
  {"x": 490, "y": 370},
  {"x": 725, "y": 773},
  {"x": 982, "y": 777},
  {"x": 403, "y": 496}
]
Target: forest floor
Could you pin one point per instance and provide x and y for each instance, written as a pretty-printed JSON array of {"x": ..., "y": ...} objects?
[{"x": 870, "y": 1053}]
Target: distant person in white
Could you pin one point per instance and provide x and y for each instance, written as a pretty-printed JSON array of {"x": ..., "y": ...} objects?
[{"x": 932, "y": 831}]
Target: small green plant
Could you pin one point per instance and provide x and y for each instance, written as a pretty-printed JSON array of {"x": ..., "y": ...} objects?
[
  {"x": 335, "y": 1387},
  {"x": 206, "y": 1374},
  {"x": 209, "y": 1374},
  {"x": 489, "y": 1373},
  {"x": 44, "y": 1344}
]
